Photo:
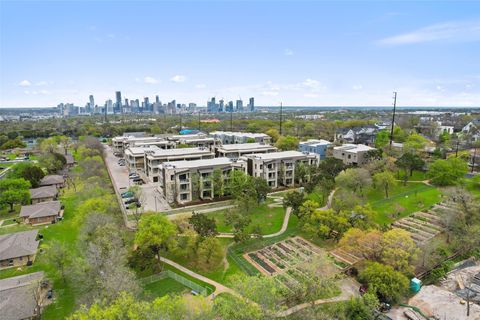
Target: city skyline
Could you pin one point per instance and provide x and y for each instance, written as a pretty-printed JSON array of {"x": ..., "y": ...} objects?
[{"x": 298, "y": 53}]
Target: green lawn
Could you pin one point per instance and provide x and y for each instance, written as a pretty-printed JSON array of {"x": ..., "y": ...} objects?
[
  {"x": 270, "y": 220},
  {"x": 410, "y": 198},
  {"x": 417, "y": 175},
  {"x": 317, "y": 196},
  {"x": 475, "y": 190},
  {"x": 163, "y": 287}
]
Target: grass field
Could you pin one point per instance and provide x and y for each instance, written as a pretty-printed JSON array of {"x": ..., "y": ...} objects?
[
  {"x": 417, "y": 175},
  {"x": 410, "y": 198},
  {"x": 163, "y": 287},
  {"x": 269, "y": 219}
]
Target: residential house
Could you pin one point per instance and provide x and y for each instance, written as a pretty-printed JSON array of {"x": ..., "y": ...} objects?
[
  {"x": 235, "y": 151},
  {"x": 186, "y": 181},
  {"x": 352, "y": 154},
  {"x": 153, "y": 158},
  {"x": 23, "y": 297},
  {"x": 18, "y": 249},
  {"x": 315, "y": 146},
  {"x": 41, "y": 213},
  {"x": 278, "y": 168},
  {"x": 42, "y": 194},
  {"x": 53, "y": 180},
  {"x": 70, "y": 160},
  {"x": 472, "y": 129},
  {"x": 358, "y": 135},
  {"x": 227, "y": 137}
]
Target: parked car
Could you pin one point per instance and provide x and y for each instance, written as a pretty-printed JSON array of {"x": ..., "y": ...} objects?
[
  {"x": 50, "y": 294},
  {"x": 134, "y": 177},
  {"x": 132, "y": 174},
  {"x": 122, "y": 164},
  {"x": 130, "y": 200},
  {"x": 138, "y": 181},
  {"x": 128, "y": 194}
]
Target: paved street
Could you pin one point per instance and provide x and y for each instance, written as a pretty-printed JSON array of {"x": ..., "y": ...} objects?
[{"x": 153, "y": 200}]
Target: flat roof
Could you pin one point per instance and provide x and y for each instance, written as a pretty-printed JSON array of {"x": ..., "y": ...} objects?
[
  {"x": 315, "y": 142},
  {"x": 184, "y": 164},
  {"x": 246, "y": 146},
  {"x": 240, "y": 134},
  {"x": 141, "y": 150},
  {"x": 177, "y": 152},
  {"x": 353, "y": 148},
  {"x": 282, "y": 155}
]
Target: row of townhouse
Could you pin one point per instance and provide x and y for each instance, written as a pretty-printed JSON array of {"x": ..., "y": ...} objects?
[{"x": 228, "y": 137}]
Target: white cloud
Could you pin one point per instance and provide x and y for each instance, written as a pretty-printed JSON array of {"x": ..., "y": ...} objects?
[
  {"x": 467, "y": 31},
  {"x": 312, "y": 85},
  {"x": 41, "y": 83},
  {"x": 24, "y": 83},
  {"x": 178, "y": 78},
  {"x": 200, "y": 86},
  {"x": 357, "y": 87},
  {"x": 288, "y": 52},
  {"x": 310, "y": 95},
  {"x": 35, "y": 92},
  {"x": 150, "y": 80}
]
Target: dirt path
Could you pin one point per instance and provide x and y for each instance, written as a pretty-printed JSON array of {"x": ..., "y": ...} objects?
[{"x": 328, "y": 205}]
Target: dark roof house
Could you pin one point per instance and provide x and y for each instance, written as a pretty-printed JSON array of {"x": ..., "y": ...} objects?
[
  {"x": 19, "y": 244},
  {"x": 46, "y": 192},
  {"x": 43, "y": 212},
  {"x": 52, "y": 180}
]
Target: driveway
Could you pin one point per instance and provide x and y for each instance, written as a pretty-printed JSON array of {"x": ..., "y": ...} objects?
[{"x": 152, "y": 199}]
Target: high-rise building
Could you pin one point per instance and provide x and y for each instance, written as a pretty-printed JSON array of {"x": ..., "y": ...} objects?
[
  {"x": 211, "y": 105},
  {"x": 221, "y": 107},
  {"x": 229, "y": 107},
  {"x": 118, "y": 102},
  {"x": 91, "y": 104},
  {"x": 239, "y": 106},
  {"x": 157, "y": 99},
  {"x": 251, "y": 105}
]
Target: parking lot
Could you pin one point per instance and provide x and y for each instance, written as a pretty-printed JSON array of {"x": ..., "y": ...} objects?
[{"x": 152, "y": 199}]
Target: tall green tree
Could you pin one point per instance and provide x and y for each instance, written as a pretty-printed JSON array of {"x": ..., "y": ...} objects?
[
  {"x": 285, "y": 143},
  {"x": 157, "y": 233},
  {"x": 384, "y": 180},
  {"x": 409, "y": 162},
  {"x": 28, "y": 171},
  {"x": 203, "y": 225},
  {"x": 384, "y": 281},
  {"x": 447, "y": 172},
  {"x": 294, "y": 199},
  {"x": 13, "y": 191}
]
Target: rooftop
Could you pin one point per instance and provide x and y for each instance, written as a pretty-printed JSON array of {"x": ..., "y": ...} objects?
[
  {"x": 315, "y": 142},
  {"x": 240, "y": 134},
  {"x": 19, "y": 244},
  {"x": 200, "y": 163},
  {"x": 42, "y": 209},
  {"x": 16, "y": 296},
  {"x": 176, "y": 152},
  {"x": 282, "y": 155},
  {"x": 43, "y": 192},
  {"x": 246, "y": 146},
  {"x": 51, "y": 180},
  {"x": 353, "y": 148}
]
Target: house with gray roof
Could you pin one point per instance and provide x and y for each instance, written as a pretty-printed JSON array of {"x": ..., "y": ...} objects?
[
  {"x": 42, "y": 194},
  {"x": 53, "y": 180},
  {"x": 41, "y": 213},
  {"x": 23, "y": 297},
  {"x": 70, "y": 160},
  {"x": 18, "y": 249}
]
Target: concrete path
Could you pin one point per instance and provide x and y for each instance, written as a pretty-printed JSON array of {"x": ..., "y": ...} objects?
[
  {"x": 286, "y": 219},
  {"x": 349, "y": 289},
  {"x": 219, "y": 288},
  {"x": 328, "y": 205}
]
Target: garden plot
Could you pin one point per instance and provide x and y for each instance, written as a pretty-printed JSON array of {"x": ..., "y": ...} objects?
[
  {"x": 281, "y": 258},
  {"x": 424, "y": 225}
]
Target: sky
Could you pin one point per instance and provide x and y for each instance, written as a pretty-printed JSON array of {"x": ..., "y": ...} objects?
[{"x": 313, "y": 53}]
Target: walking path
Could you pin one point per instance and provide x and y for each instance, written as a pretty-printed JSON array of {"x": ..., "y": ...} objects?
[
  {"x": 328, "y": 205},
  {"x": 349, "y": 289},
  {"x": 219, "y": 288}
]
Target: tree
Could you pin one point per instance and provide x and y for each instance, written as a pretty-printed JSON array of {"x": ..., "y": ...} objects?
[
  {"x": 399, "y": 250},
  {"x": 293, "y": 199},
  {"x": 59, "y": 257},
  {"x": 409, "y": 162},
  {"x": 12, "y": 144},
  {"x": 382, "y": 139},
  {"x": 368, "y": 244},
  {"x": 273, "y": 133},
  {"x": 52, "y": 161},
  {"x": 414, "y": 143},
  {"x": 14, "y": 191},
  {"x": 203, "y": 225},
  {"x": 384, "y": 281},
  {"x": 447, "y": 172},
  {"x": 325, "y": 224},
  {"x": 210, "y": 253},
  {"x": 330, "y": 168},
  {"x": 356, "y": 309},
  {"x": 285, "y": 143},
  {"x": 261, "y": 188},
  {"x": 27, "y": 171},
  {"x": 218, "y": 183},
  {"x": 354, "y": 179},
  {"x": 230, "y": 307},
  {"x": 384, "y": 180},
  {"x": 157, "y": 233}
]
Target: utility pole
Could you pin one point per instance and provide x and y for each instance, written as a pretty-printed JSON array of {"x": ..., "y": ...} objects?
[
  {"x": 474, "y": 156},
  {"x": 281, "y": 115},
  {"x": 393, "y": 117}
]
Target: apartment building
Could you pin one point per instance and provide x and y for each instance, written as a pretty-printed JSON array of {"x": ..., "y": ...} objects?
[
  {"x": 153, "y": 158},
  {"x": 278, "y": 168},
  {"x": 352, "y": 154},
  {"x": 315, "y": 146},
  {"x": 120, "y": 144},
  {"x": 186, "y": 181},
  {"x": 235, "y": 151},
  {"x": 227, "y": 137}
]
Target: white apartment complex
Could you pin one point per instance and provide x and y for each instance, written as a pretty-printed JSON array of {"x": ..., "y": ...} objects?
[
  {"x": 278, "y": 168},
  {"x": 227, "y": 137},
  {"x": 153, "y": 158},
  {"x": 120, "y": 144},
  {"x": 352, "y": 154},
  {"x": 186, "y": 181},
  {"x": 235, "y": 151}
]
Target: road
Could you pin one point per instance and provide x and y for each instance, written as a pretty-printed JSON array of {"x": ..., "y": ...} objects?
[{"x": 153, "y": 200}]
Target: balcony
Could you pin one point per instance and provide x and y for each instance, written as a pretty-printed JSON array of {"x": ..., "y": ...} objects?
[{"x": 184, "y": 181}]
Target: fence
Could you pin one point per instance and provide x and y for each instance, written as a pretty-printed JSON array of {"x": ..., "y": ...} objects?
[{"x": 205, "y": 291}]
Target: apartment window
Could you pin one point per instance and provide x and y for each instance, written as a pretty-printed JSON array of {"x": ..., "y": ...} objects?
[
  {"x": 183, "y": 187},
  {"x": 349, "y": 156},
  {"x": 206, "y": 194},
  {"x": 183, "y": 196},
  {"x": 172, "y": 177},
  {"x": 261, "y": 166},
  {"x": 183, "y": 177}
]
